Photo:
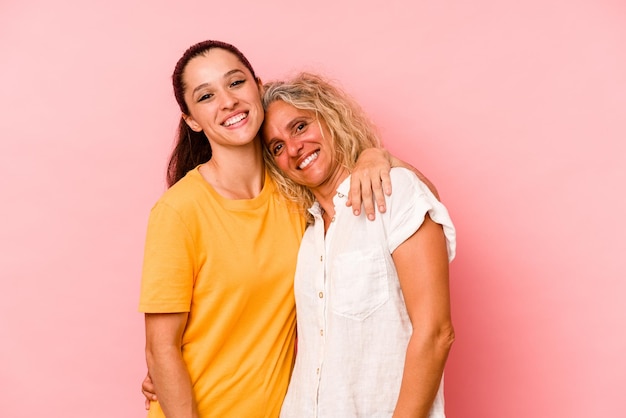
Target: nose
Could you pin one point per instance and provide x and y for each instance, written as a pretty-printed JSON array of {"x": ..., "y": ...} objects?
[
  {"x": 294, "y": 147},
  {"x": 228, "y": 99}
]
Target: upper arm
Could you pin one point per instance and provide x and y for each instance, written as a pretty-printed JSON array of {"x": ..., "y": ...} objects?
[
  {"x": 422, "y": 265},
  {"x": 170, "y": 263},
  {"x": 164, "y": 330}
]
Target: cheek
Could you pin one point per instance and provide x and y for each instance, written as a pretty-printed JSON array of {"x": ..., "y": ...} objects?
[{"x": 282, "y": 162}]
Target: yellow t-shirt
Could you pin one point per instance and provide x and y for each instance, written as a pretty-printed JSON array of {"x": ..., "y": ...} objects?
[{"x": 230, "y": 264}]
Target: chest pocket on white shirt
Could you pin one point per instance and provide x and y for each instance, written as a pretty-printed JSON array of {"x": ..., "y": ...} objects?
[{"x": 359, "y": 283}]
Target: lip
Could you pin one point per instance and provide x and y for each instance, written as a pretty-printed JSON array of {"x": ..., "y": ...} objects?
[
  {"x": 304, "y": 157},
  {"x": 235, "y": 114}
]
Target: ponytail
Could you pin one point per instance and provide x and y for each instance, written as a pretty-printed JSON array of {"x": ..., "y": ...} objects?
[{"x": 192, "y": 148}]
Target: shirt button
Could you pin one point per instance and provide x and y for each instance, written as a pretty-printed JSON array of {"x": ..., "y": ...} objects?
[
  {"x": 340, "y": 194},
  {"x": 321, "y": 295},
  {"x": 321, "y": 258},
  {"x": 322, "y": 332},
  {"x": 333, "y": 220},
  {"x": 318, "y": 370}
]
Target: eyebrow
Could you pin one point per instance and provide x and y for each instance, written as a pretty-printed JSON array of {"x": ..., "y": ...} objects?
[
  {"x": 300, "y": 118},
  {"x": 270, "y": 143},
  {"x": 227, "y": 74}
]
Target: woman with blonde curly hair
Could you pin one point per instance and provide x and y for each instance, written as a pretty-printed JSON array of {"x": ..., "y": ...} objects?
[{"x": 372, "y": 298}]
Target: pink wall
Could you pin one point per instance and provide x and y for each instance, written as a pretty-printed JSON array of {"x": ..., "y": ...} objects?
[{"x": 516, "y": 110}]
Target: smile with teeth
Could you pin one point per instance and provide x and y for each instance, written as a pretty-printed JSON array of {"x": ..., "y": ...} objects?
[
  {"x": 235, "y": 119},
  {"x": 308, "y": 160}
]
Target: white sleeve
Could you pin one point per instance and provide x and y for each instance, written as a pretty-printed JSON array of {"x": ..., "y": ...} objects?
[{"x": 407, "y": 206}]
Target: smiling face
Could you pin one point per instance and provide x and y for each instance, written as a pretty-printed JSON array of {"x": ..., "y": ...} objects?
[
  {"x": 301, "y": 146},
  {"x": 223, "y": 99}
]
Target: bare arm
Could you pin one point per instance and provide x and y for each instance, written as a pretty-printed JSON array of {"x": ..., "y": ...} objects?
[
  {"x": 370, "y": 181},
  {"x": 422, "y": 265},
  {"x": 166, "y": 366}
]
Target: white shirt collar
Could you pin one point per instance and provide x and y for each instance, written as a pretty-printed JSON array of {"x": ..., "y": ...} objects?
[{"x": 342, "y": 193}]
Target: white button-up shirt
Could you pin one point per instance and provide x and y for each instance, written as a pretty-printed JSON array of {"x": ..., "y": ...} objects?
[{"x": 353, "y": 326}]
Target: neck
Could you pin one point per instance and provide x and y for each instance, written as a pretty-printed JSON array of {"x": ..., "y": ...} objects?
[
  {"x": 325, "y": 193},
  {"x": 236, "y": 172}
]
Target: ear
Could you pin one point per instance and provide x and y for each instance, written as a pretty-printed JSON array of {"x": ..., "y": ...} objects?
[
  {"x": 259, "y": 83},
  {"x": 190, "y": 121}
]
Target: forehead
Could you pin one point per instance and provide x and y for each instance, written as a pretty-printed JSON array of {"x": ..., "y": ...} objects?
[
  {"x": 281, "y": 118},
  {"x": 211, "y": 66},
  {"x": 279, "y": 113}
]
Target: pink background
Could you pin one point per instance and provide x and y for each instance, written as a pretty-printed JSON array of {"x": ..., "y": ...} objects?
[{"x": 516, "y": 110}]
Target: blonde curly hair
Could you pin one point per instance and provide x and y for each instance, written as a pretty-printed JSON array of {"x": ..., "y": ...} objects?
[{"x": 350, "y": 129}]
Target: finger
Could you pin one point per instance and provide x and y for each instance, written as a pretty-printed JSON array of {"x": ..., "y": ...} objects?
[
  {"x": 379, "y": 195},
  {"x": 385, "y": 178},
  {"x": 150, "y": 396},
  {"x": 367, "y": 197},
  {"x": 147, "y": 386},
  {"x": 354, "y": 196}
]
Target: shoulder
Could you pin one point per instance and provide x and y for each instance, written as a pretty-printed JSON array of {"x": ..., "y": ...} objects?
[
  {"x": 184, "y": 200},
  {"x": 404, "y": 181},
  {"x": 184, "y": 190},
  {"x": 409, "y": 196},
  {"x": 403, "y": 176}
]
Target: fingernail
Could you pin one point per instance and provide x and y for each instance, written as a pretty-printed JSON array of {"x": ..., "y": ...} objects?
[
  {"x": 356, "y": 212},
  {"x": 370, "y": 217}
]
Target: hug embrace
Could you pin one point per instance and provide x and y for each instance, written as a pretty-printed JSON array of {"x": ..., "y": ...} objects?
[{"x": 262, "y": 224}]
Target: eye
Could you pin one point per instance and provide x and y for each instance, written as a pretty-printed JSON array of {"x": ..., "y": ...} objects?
[
  {"x": 205, "y": 96},
  {"x": 237, "y": 83},
  {"x": 300, "y": 127},
  {"x": 276, "y": 149}
]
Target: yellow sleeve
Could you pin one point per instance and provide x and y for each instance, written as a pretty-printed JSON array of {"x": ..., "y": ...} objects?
[{"x": 168, "y": 266}]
